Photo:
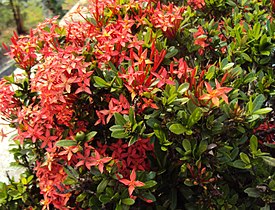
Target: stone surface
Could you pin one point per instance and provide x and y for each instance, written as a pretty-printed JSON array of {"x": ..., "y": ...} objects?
[{"x": 5, "y": 157}]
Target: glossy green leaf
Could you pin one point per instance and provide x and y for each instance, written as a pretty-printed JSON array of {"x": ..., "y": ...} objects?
[
  {"x": 101, "y": 186},
  {"x": 252, "y": 192},
  {"x": 90, "y": 135},
  {"x": 263, "y": 110},
  {"x": 228, "y": 66},
  {"x": 133, "y": 139},
  {"x": 66, "y": 143},
  {"x": 253, "y": 144},
  {"x": 177, "y": 128},
  {"x": 128, "y": 201},
  {"x": 101, "y": 82},
  {"x": 239, "y": 164},
  {"x": 244, "y": 157},
  {"x": 81, "y": 197},
  {"x": 172, "y": 51},
  {"x": 271, "y": 185},
  {"x": 104, "y": 198},
  {"x": 258, "y": 102},
  {"x": 119, "y": 134},
  {"x": 269, "y": 160},
  {"x": 183, "y": 88},
  {"x": 149, "y": 184},
  {"x": 119, "y": 119},
  {"x": 195, "y": 117},
  {"x": 186, "y": 145},
  {"x": 132, "y": 116},
  {"x": 202, "y": 147}
]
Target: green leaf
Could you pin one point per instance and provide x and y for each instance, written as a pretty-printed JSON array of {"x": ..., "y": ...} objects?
[
  {"x": 183, "y": 88},
  {"x": 160, "y": 134},
  {"x": 246, "y": 57},
  {"x": 177, "y": 128},
  {"x": 101, "y": 82},
  {"x": 186, "y": 145},
  {"x": 266, "y": 207},
  {"x": 112, "y": 66},
  {"x": 117, "y": 128},
  {"x": 202, "y": 147},
  {"x": 244, "y": 157},
  {"x": 119, "y": 134},
  {"x": 149, "y": 184},
  {"x": 271, "y": 185},
  {"x": 171, "y": 98},
  {"x": 148, "y": 196},
  {"x": 258, "y": 102},
  {"x": 66, "y": 143},
  {"x": 228, "y": 66},
  {"x": 252, "y": 192},
  {"x": 101, "y": 186},
  {"x": 69, "y": 181},
  {"x": 211, "y": 72},
  {"x": 253, "y": 144},
  {"x": 71, "y": 172},
  {"x": 171, "y": 52},
  {"x": 269, "y": 145},
  {"x": 90, "y": 135},
  {"x": 239, "y": 164},
  {"x": 263, "y": 110},
  {"x": 188, "y": 183},
  {"x": 256, "y": 30},
  {"x": 132, "y": 116},
  {"x": 104, "y": 198},
  {"x": 128, "y": 201},
  {"x": 119, "y": 119},
  {"x": 10, "y": 78},
  {"x": 194, "y": 117},
  {"x": 269, "y": 160},
  {"x": 133, "y": 139},
  {"x": 81, "y": 197}
]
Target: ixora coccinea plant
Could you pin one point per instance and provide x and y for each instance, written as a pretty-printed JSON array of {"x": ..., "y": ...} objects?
[{"x": 145, "y": 105}]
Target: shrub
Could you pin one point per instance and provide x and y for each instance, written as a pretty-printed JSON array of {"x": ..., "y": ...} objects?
[{"x": 145, "y": 105}]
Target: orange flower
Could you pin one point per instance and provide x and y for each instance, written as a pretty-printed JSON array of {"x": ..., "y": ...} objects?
[
  {"x": 132, "y": 183},
  {"x": 215, "y": 94}
]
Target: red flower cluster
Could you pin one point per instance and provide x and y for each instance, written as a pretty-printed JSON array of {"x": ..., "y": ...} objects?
[
  {"x": 266, "y": 133},
  {"x": 196, "y": 4},
  {"x": 9, "y": 105},
  {"x": 167, "y": 18},
  {"x": 61, "y": 64},
  {"x": 50, "y": 182},
  {"x": 131, "y": 157}
]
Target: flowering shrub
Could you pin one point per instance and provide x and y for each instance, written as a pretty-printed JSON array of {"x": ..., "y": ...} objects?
[{"x": 145, "y": 105}]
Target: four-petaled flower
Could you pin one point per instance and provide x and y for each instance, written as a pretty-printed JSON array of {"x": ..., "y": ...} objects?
[
  {"x": 215, "y": 94},
  {"x": 132, "y": 183},
  {"x": 97, "y": 161}
]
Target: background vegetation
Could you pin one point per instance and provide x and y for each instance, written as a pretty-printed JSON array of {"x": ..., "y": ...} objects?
[{"x": 32, "y": 12}]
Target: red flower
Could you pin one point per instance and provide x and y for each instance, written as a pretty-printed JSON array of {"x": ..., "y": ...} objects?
[
  {"x": 97, "y": 161},
  {"x": 200, "y": 39},
  {"x": 132, "y": 183},
  {"x": 163, "y": 77},
  {"x": 84, "y": 159}
]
